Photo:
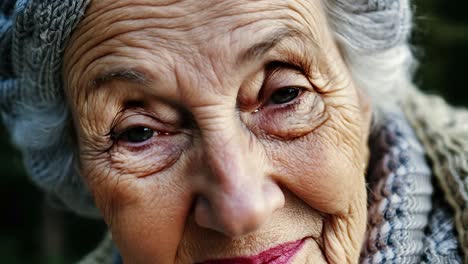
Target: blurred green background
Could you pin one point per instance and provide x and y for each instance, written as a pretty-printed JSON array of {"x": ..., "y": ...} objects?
[{"x": 33, "y": 232}]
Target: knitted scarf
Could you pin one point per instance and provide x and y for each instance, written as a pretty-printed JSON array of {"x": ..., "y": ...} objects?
[{"x": 408, "y": 220}]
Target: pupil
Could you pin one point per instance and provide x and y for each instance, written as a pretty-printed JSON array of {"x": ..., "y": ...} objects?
[
  {"x": 139, "y": 134},
  {"x": 284, "y": 95}
]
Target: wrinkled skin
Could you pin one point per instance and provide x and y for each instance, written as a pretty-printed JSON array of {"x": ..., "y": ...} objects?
[{"x": 191, "y": 142}]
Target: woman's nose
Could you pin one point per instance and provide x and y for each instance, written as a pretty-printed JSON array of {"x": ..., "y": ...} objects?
[{"x": 236, "y": 195}]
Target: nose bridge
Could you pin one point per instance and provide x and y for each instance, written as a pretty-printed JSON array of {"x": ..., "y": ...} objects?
[
  {"x": 227, "y": 157},
  {"x": 236, "y": 196}
]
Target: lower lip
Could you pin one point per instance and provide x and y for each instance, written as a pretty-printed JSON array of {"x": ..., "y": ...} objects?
[{"x": 282, "y": 254}]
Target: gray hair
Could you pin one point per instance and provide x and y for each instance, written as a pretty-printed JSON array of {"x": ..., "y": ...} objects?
[{"x": 372, "y": 36}]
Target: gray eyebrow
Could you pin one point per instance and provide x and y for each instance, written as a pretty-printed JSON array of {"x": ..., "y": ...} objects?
[
  {"x": 129, "y": 75},
  {"x": 257, "y": 51}
]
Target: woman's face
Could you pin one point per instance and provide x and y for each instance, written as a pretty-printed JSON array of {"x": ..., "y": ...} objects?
[{"x": 219, "y": 129}]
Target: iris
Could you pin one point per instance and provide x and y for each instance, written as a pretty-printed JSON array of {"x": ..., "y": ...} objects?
[
  {"x": 284, "y": 95},
  {"x": 137, "y": 134}
]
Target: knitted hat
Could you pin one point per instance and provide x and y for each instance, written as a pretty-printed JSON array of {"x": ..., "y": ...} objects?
[
  {"x": 33, "y": 36},
  {"x": 371, "y": 25}
]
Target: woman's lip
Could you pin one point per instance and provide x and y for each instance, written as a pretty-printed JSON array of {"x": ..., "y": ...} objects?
[{"x": 282, "y": 254}]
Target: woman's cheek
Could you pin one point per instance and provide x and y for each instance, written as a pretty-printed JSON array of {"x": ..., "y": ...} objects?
[
  {"x": 150, "y": 228},
  {"x": 317, "y": 170},
  {"x": 124, "y": 174},
  {"x": 144, "y": 200},
  {"x": 157, "y": 155}
]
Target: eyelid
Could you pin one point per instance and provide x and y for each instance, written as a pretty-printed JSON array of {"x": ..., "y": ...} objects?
[
  {"x": 133, "y": 119},
  {"x": 126, "y": 123},
  {"x": 138, "y": 118},
  {"x": 278, "y": 78},
  {"x": 289, "y": 105}
]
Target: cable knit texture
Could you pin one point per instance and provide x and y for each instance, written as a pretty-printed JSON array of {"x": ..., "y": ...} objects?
[
  {"x": 444, "y": 133},
  {"x": 406, "y": 222},
  {"x": 372, "y": 25},
  {"x": 33, "y": 36},
  {"x": 400, "y": 196}
]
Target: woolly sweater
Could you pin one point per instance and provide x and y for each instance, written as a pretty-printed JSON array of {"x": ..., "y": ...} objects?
[{"x": 418, "y": 187}]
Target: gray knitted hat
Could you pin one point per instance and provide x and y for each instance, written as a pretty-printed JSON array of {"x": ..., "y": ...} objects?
[
  {"x": 33, "y": 36},
  {"x": 371, "y": 25}
]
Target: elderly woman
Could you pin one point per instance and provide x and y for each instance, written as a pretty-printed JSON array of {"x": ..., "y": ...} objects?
[{"x": 237, "y": 131}]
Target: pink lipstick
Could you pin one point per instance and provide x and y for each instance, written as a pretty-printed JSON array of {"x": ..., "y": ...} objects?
[{"x": 282, "y": 254}]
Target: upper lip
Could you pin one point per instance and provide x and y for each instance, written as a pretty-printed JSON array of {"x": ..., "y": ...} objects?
[{"x": 281, "y": 254}]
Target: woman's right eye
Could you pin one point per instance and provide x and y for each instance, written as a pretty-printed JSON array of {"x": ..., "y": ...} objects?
[{"x": 136, "y": 134}]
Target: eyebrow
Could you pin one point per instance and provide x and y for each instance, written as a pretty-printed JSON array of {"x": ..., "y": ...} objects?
[
  {"x": 130, "y": 75},
  {"x": 259, "y": 50}
]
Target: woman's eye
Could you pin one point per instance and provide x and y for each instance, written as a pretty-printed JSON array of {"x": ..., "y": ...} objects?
[
  {"x": 284, "y": 95},
  {"x": 137, "y": 134}
]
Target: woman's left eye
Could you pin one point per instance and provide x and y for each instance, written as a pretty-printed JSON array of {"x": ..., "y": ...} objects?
[
  {"x": 137, "y": 134},
  {"x": 284, "y": 95}
]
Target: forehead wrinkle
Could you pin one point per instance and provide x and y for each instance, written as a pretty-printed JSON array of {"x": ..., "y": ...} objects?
[
  {"x": 147, "y": 17},
  {"x": 114, "y": 20},
  {"x": 115, "y": 26}
]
